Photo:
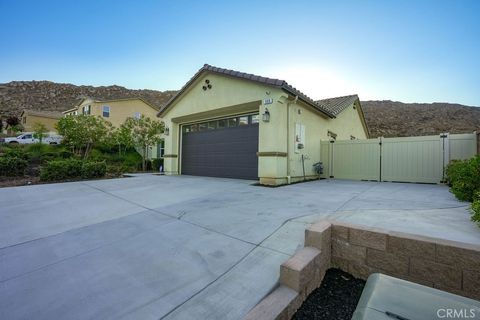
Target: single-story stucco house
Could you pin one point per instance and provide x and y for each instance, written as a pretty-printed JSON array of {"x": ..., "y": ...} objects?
[
  {"x": 225, "y": 123},
  {"x": 48, "y": 118}
]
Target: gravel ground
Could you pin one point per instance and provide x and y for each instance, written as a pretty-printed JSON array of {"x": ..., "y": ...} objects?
[{"x": 336, "y": 298}]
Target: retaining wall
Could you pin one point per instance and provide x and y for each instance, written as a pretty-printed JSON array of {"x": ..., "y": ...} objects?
[{"x": 446, "y": 265}]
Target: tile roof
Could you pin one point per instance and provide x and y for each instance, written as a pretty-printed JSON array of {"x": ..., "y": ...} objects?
[
  {"x": 281, "y": 84},
  {"x": 336, "y": 105},
  {"x": 47, "y": 114}
]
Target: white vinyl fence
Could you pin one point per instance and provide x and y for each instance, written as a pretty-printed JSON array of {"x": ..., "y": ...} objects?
[{"x": 409, "y": 159}]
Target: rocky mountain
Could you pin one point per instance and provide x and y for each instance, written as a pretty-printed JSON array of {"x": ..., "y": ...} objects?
[
  {"x": 384, "y": 118},
  {"x": 50, "y": 96},
  {"x": 396, "y": 119}
]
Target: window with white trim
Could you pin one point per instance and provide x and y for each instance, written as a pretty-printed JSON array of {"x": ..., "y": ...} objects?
[
  {"x": 86, "y": 109},
  {"x": 106, "y": 111}
]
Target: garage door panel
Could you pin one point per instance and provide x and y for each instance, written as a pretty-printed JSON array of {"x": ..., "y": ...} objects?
[{"x": 228, "y": 152}]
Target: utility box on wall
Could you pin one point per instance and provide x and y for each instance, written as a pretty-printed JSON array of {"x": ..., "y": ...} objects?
[{"x": 299, "y": 137}]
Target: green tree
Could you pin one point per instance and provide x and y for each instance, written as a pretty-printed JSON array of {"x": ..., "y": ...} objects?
[
  {"x": 14, "y": 124},
  {"x": 82, "y": 132},
  {"x": 145, "y": 132},
  {"x": 122, "y": 137},
  {"x": 39, "y": 131}
]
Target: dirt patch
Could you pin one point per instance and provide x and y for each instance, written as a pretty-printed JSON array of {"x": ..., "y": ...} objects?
[{"x": 336, "y": 298}]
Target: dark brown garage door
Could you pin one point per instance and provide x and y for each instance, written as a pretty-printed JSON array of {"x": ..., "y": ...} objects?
[{"x": 221, "y": 148}]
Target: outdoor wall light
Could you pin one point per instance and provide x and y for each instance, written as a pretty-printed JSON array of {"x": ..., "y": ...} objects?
[
  {"x": 166, "y": 131},
  {"x": 266, "y": 116}
]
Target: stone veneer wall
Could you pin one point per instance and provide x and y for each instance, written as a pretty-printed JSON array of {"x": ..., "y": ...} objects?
[{"x": 446, "y": 265}]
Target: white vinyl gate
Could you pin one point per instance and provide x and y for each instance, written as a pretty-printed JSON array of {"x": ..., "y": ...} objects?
[{"x": 409, "y": 159}]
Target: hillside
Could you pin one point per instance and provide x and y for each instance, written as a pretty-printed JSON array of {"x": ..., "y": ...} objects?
[
  {"x": 384, "y": 118},
  {"x": 397, "y": 119},
  {"x": 50, "y": 96}
]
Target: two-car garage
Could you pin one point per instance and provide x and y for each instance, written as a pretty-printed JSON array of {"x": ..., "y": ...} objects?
[{"x": 225, "y": 147}]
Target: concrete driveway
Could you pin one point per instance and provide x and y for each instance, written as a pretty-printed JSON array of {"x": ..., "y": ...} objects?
[{"x": 158, "y": 247}]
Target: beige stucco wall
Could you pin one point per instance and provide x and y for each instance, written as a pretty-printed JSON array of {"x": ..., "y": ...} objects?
[
  {"x": 30, "y": 121},
  {"x": 278, "y": 170},
  {"x": 120, "y": 110},
  {"x": 277, "y": 159},
  {"x": 227, "y": 97}
]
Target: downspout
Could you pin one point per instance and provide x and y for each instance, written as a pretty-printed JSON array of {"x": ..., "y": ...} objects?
[{"x": 289, "y": 178}]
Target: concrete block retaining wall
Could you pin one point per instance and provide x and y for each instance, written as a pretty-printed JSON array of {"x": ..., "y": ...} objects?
[{"x": 361, "y": 251}]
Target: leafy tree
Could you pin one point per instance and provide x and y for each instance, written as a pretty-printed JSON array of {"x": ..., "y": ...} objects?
[
  {"x": 82, "y": 132},
  {"x": 39, "y": 131},
  {"x": 122, "y": 137},
  {"x": 145, "y": 133},
  {"x": 13, "y": 123}
]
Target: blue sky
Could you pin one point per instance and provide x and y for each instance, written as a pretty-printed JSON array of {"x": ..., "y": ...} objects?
[{"x": 411, "y": 51}]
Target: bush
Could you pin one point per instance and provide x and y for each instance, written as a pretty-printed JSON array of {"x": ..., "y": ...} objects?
[
  {"x": 57, "y": 170},
  {"x": 11, "y": 166},
  {"x": 156, "y": 163},
  {"x": 116, "y": 170},
  {"x": 476, "y": 208},
  {"x": 92, "y": 169},
  {"x": 16, "y": 152},
  {"x": 464, "y": 178}
]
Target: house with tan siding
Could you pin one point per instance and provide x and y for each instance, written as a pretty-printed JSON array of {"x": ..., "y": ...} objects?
[{"x": 29, "y": 118}]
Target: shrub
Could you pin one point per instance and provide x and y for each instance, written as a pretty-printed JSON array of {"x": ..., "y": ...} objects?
[
  {"x": 156, "y": 163},
  {"x": 476, "y": 208},
  {"x": 116, "y": 170},
  {"x": 16, "y": 152},
  {"x": 92, "y": 169},
  {"x": 464, "y": 178},
  {"x": 12, "y": 166},
  {"x": 56, "y": 170}
]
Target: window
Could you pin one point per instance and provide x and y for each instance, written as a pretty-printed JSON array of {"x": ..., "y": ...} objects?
[
  {"x": 222, "y": 123},
  {"x": 242, "y": 121},
  {"x": 27, "y": 136},
  {"x": 232, "y": 122},
  {"x": 212, "y": 125},
  {"x": 86, "y": 109},
  {"x": 161, "y": 149},
  {"x": 24, "y": 119},
  {"x": 137, "y": 115},
  {"x": 75, "y": 113},
  {"x": 106, "y": 111}
]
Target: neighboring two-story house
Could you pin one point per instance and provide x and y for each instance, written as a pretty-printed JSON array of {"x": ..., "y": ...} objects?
[{"x": 116, "y": 111}]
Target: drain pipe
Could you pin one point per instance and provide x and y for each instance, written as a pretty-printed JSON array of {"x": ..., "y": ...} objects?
[
  {"x": 303, "y": 165},
  {"x": 289, "y": 178}
]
